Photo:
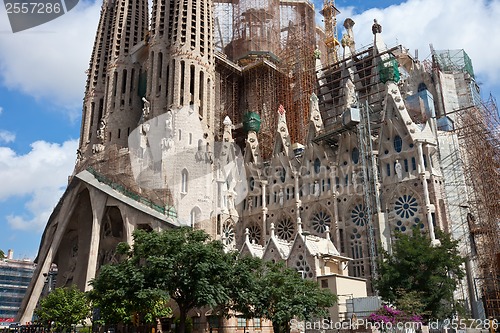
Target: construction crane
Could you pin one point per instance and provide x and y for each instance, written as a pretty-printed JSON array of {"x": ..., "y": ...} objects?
[{"x": 329, "y": 13}]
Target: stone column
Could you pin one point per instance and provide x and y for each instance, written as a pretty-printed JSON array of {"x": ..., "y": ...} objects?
[
  {"x": 98, "y": 201},
  {"x": 427, "y": 201}
]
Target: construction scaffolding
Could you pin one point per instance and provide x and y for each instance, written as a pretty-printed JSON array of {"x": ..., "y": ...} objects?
[
  {"x": 266, "y": 57},
  {"x": 478, "y": 131}
]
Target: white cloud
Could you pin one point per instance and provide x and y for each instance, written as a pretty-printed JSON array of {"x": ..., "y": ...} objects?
[
  {"x": 49, "y": 61},
  {"x": 471, "y": 25},
  {"x": 41, "y": 175},
  {"x": 1, "y": 110},
  {"x": 6, "y": 136}
]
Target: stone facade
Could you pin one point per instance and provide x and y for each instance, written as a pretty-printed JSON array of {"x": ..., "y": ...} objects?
[{"x": 156, "y": 152}]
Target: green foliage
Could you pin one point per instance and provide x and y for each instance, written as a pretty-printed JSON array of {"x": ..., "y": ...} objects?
[
  {"x": 2, "y": 254},
  {"x": 273, "y": 291},
  {"x": 181, "y": 264},
  {"x": 420, "y": 278},
  {"x": 188, "y": 267},
  {"x": 64, "y": 307},
  {"x": 186, "y": 264},
  {"x": 123, "y": 295}
]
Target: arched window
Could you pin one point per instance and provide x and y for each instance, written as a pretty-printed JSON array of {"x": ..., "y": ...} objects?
[
  {"x": 317, "y": 165},
  {"x": 251, "y": 183},
  {"x": 184, "y": 181},
  {"x": 398, "y": 143},
  {"x": 194, "y": 215},
  {"x": 355, "y": 155}
]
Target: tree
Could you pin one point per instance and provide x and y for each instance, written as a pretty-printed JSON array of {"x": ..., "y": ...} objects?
[
  {"x": 421, "y": 276},
  {"x": 122, "y": 295},
  {"x": 192, "y": 269},
  {"x": 277, "y": 293},
  {"x": 63, "y": 308},
  {"x": 2, "y": 254}
]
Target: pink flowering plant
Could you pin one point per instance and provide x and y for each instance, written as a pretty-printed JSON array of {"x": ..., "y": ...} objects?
[{"x": 388, "y": 315}]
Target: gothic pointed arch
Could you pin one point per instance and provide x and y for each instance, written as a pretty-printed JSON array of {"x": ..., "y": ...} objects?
[
  {"x": 194, "y": 216},
  {"x": 112, "y": 233}
]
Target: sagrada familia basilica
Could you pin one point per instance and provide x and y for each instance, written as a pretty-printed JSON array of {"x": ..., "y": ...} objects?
[{"x": 244, "y": 119}]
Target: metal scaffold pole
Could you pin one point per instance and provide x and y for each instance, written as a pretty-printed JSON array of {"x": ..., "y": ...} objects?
[{"x": 370, "y": 186}]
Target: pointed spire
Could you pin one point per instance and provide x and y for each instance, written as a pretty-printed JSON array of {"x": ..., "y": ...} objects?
[
  {"x": 327, "y": 233},
  {"x": 227, "y": 121},
  {"x": 272, "y": 230}
]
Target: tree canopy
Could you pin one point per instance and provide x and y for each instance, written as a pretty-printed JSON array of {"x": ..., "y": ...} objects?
[
  {"x": 63, "y": 308},
  {"x": 419, "y": 278},
  {"x": 277, "y": 293},
  {"x": 188, "y": 267},
  {"x": 181, "y": 264},
  {"x": 123, "y": 295}
]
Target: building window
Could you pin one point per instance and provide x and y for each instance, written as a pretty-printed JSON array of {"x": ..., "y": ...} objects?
[
  {"x": 341, "y": 240},
  {"x": 413, "y": 163},
  {"x": 285, "y": 229},
  {"x": 213, "y": 321},
  {"x": 355, "y": 155},
  {"x": 320, "y": 221},
  {"x": 406, "y": 206},
  {"x": 324, "y": 283},
  {"x": 257, "y": 323},
  {"x": 282, "y": 174},
  {"x": 251, "y": 183},
  {"x": 317, "y": 165},
  {"x": 398, "y": 144},
  {"x": 194, "y": 216},
  {"x": 184, "y": 181},
  {"x": 406, "y": 165},
  {"x": 196, "y": 323},
  {"x": 242, "y": 322},
  {"x": 359, "y": 215},
  {"x": 388, "y": 167}
]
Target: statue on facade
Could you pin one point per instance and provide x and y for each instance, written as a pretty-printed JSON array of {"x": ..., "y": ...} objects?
[
  {"x": 376, "y": 27},
  {"x": 146, "y": 108},
  {"x": 399, "y": 170},
  {"x": 102, "y": 129}
]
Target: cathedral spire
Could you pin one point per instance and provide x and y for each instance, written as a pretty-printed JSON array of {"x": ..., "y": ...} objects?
[{"x": 113, "y": 77}]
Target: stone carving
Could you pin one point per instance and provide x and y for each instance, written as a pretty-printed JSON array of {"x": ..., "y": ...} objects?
[
  {"x": 399, "y": 170},
  {"x": 146, "y": 109},
  {"x": 102, "y": 129},
  {"x": 376, "y": 27}
]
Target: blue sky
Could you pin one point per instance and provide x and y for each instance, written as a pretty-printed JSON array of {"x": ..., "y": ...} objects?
[{"x": 42, "y": 79}]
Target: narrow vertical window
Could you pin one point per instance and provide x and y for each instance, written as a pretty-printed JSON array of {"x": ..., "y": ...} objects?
[
  {"x": 124, "y": 81},
  {"x": 184, "y": 181}
]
